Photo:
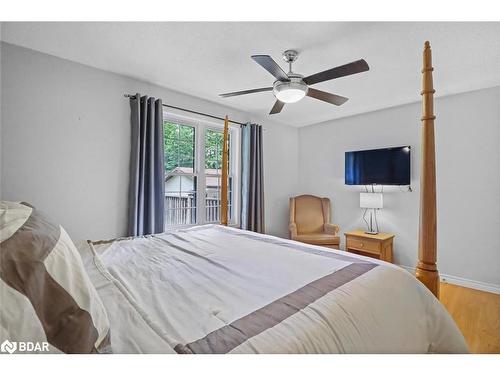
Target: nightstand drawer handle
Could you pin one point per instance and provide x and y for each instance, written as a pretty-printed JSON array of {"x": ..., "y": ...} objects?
[{"x": 361, "y": 244}]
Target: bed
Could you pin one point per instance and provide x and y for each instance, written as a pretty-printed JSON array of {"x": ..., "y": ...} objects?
[{"x": 214, "y": 289}]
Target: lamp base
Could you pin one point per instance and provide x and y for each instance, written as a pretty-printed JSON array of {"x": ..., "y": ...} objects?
[{"x": 371, "y": 229}]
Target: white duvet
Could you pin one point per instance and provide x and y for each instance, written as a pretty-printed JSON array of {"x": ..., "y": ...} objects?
[{"x": 214, "y": 289}]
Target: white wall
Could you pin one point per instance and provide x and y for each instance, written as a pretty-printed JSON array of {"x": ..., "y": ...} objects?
[
  {"x": 1, "y": 30},
  {"x": 468, "y": 178},
  {"x": 66, "y": 142}
]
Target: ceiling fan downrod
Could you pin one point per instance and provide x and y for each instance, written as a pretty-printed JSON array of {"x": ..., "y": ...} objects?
[{"x": 290, "y": 55}]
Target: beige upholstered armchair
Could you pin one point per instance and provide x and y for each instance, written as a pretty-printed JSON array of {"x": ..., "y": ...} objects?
[{"x": 310, "y": 221}]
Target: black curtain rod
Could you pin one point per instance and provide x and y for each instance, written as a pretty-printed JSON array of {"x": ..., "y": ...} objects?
[{"x": 190, "y": 111}]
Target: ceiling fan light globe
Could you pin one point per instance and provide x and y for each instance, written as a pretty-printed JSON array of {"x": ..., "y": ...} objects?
[
  {"x": 290, "y": 95},
  {"x": 289, "y": 92}
]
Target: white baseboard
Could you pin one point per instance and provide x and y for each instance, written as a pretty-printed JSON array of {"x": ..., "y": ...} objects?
[{"x": 473, "y": 284}]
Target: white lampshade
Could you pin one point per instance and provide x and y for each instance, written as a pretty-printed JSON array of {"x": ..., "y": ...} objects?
[{"x": 371, "y": 200}]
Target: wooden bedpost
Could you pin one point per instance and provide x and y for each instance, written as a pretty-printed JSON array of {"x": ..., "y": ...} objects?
[
  {"x": 224, "y": 180},
  {"x": 426, "y": 270}
]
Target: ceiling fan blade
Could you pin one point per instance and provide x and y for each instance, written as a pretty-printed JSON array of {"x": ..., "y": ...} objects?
[
  {"x": 340, "y": 71},
  {"x": 326, "y": 96},
  {"x": 271, "y": 66},
  {"x": 244, "y": 92},
  {"x": 277, "y": 107}
]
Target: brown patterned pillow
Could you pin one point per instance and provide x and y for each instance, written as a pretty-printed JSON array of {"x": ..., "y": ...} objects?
[{"x": 46, "y": 294}]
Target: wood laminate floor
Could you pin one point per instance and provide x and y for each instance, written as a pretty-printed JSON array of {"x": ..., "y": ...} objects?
[{"x": 477, "y": 314}]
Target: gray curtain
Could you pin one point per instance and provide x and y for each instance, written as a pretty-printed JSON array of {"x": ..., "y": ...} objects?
[
  {"x": 147, "y": 188},
  {"x": 252, "y": 179}
]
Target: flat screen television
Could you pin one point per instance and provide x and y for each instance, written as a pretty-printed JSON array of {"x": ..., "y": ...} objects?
[{"x": 383, "y": 166}]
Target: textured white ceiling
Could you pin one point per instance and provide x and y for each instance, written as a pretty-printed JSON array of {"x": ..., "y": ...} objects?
[{"x": 206, "y": 59}]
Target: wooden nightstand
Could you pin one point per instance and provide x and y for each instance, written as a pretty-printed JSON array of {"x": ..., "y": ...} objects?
[{"x": 377, "y": 246}]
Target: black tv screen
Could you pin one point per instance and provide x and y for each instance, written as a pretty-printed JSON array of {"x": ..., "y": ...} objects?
[{"x": 384, "y": 166}]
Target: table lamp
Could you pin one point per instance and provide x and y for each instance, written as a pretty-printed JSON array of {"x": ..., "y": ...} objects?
[{"x": 372, "y": 202}]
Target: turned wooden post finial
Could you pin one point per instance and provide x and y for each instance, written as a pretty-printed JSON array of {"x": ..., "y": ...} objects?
[{"x": 426, "y": 270}]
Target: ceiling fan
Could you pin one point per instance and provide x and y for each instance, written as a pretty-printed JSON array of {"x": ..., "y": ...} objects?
[{"x": 291, "y": 87}]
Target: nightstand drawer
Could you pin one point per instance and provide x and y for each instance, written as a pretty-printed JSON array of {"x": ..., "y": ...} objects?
[
  {"x": 372, "y": 245},
  {"x": 364, "y": 245}
]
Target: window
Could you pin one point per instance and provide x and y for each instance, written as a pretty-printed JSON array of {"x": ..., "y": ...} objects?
[
  {"x": 193, "y": 171},
  {"x": 180, "y": 177},
  {"x": 213, "y": 175}
]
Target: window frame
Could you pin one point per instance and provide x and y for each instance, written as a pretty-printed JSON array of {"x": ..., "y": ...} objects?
[{"x": 200, "y": 127}]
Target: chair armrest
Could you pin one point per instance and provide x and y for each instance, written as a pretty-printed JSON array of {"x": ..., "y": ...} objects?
[
  {"x": 292, "y": 227},
  {"x": 331, "y": 228}
]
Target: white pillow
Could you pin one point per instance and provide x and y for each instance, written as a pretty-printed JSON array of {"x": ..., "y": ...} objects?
[{"x": 46, "y": 294}]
